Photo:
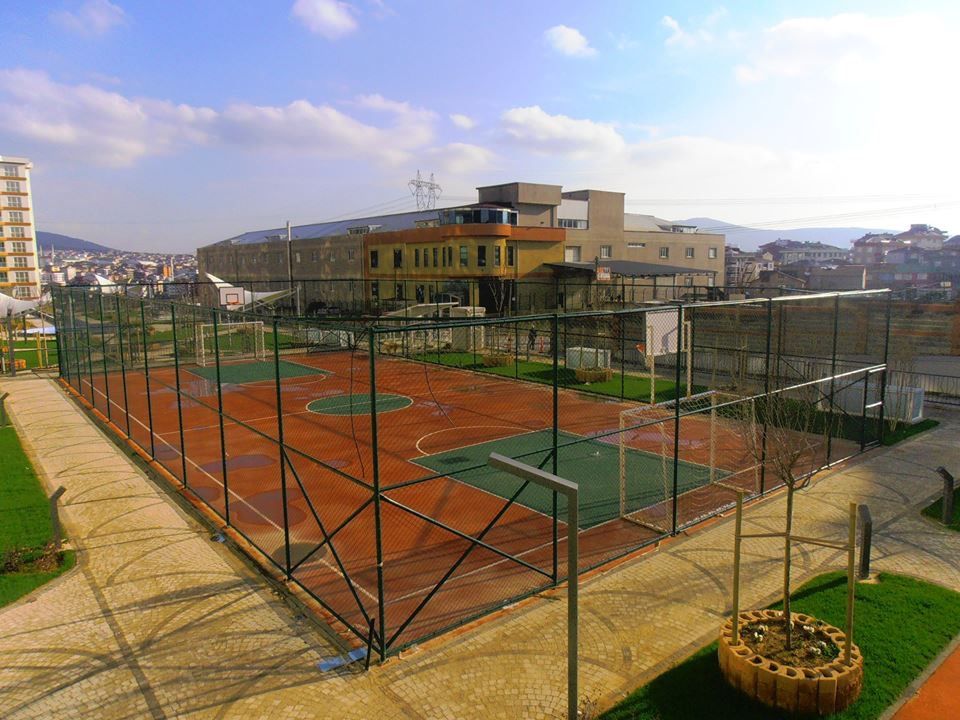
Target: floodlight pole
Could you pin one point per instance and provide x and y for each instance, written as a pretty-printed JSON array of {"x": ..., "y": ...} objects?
[{"x": 570, "y": 490}]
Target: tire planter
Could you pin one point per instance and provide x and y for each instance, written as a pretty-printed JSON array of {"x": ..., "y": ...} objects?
[
  {"x": 589, "y": 375},
  {"x": 820, "y": 690},
  {"x": 497, "y": 360}
]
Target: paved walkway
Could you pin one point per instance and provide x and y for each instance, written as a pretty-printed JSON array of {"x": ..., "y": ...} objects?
[{"x": 159, "y": 622}]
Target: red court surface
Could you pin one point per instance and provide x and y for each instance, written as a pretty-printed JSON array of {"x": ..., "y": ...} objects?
[
  {"x": 430, "y": 581},
  {"x": 938, "y": 697}
]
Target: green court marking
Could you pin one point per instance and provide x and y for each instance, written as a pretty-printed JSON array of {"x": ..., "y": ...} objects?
[
  {"x": 594, "y": 464},
  {"x": 255, "y": 371},
  {"x": 358, "y": 404}
]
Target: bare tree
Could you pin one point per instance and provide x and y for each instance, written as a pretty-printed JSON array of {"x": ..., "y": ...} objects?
[{"x": 789, "y": 442}]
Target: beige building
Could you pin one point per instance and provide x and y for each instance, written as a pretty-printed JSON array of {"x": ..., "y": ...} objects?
[
  {"x": 522, "y": 246},
  {"x": 19, "y": 255}
]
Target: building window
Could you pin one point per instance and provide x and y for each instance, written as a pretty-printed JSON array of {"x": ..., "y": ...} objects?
[
  {"x": 15, "y": 216},
  {"x": 374, "y": 259},
  {"x": 464, "y": 256},
  {"x": 435, "y": 257},
  {"x": 17, "y": 232},
  {"x": 636, "y": 245},
  {"x": 253, "y": 259},
  {"x": 20, "y": 261},
  {"x": 687, "y": 281},
  {"x": 13, "y": 186},
  {"x": 496, "y": 256},
  {"x": 18, "y": 247},
  {"x": 511, "y": 256},
  {"x": 21, "y": 277},
  {"x": 296, "y": 258},
  {"x": 351, "y": 254},
  {"x": 333, "y": 256},
  {"x": 398, "y": 258},
  {"x": 375, "y": 285},
  {"x": 10, "y": 170},
  {"x": 3, "y": 277},
  {"x": 606, "y": 252},
  {"x": 664, "y": 253},
  {"x": 416, "y": 257},
  {"x": 712, "y": 253},
  {"x": 572, "y": 224},
  {"x": 481, "y": 255},
  {"x": 399, "y": 291},
  {"x": 571, "y": 253},
  {"x": 14, "y": 201},
  {"x": 313, "y": 256},
  {"x": 688, "y": 253},
  {"x": 450, "y": 256}
]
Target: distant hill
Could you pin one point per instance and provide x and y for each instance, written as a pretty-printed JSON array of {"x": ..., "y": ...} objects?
[
  {"x": 747, "y": 238},
  {"x": 65, "y": 242}
]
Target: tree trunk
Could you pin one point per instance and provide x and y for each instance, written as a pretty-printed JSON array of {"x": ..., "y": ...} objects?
[{"x": 788, "y": 626}]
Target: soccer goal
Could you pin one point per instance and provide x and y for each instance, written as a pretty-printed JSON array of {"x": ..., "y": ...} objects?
[
  {"x": 714, "y": 447},
  {"x": 243, "y": 340}
]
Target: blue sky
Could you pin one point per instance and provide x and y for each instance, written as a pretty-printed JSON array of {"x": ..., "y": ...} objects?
[{"x": 172, "y": 125}]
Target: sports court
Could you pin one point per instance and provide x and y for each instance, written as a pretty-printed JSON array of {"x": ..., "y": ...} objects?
[{"x": 393, "y": 520}]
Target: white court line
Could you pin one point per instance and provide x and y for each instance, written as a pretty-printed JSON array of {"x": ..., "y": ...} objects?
[{"x": 232, "y": 492}]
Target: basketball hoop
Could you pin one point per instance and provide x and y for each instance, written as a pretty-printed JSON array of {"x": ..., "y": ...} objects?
[{"x": 642, "y": 348}]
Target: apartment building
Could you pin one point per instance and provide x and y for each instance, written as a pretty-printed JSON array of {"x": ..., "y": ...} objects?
[
  {"x": 19, "y": 256},
  {"x": 509, "y": 250}
]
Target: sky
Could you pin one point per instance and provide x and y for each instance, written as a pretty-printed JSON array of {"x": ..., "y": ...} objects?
[{"x": 168, "y": 126}]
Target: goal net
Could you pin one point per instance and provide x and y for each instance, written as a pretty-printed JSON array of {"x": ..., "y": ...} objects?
[
  {"x": 243, "y": 340},
  {"x": 714, "y": 450}
]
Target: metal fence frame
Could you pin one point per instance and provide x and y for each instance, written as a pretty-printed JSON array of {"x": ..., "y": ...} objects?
[{"x": 80, "y": 314}]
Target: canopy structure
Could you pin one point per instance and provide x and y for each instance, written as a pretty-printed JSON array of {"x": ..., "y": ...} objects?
[
  {"x": 13, "y": 305},
  {"x": 237, "y": 298}
]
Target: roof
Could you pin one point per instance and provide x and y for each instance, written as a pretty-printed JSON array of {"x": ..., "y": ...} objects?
[
  {"x": 638, "y": 221},
  {"x": 396, "y": 221},
  {"x": 631, "y": 268}
]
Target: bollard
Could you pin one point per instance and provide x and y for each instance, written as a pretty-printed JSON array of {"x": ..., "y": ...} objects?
[
  {"x": 866, "y": 538},
  {"x": 55, "y": 516},
  {"x": 3, "y": 410},
  {"x": 948, "y": 484}
]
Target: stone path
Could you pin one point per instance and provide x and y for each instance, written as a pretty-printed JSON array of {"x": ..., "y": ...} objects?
[{"x": 159, "y": 622}]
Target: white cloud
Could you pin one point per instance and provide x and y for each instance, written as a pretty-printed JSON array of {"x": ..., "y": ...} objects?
[
  {"x": 330, "y": 18},
  {"x": 94, "y": 17},
  {"x": 104, "y": 127},
  {"x": 538, "y": 131},
  {"x": 107, "y": 128},
  {"x": 462, "y": 158},
  {"x": 568, "y": 41},
  {"x": 464, "y": 122}
]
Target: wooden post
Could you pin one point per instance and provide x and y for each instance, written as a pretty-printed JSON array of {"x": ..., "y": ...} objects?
[
  {"x": 738, "y": 527},
  {"x": 55, "y": 516},
  {"x": 851, "y": 581},
  {"x": 947, "y": 514}
]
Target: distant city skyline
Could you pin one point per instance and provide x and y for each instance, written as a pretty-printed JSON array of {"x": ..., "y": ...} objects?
[{"x": 164, "y": 127}]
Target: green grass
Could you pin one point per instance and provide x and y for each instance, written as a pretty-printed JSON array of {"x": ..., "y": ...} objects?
[
  {"x": 27, "y": 350},
  {"x": 902, "y": 624},
  {"x": 358, "y": 404},
  {"x": 24, "y": 510},
  {"x": 14, "y": 586},
  {"x": 904, "y": 431},
  {"x": 24, "y": 518},
  {"x": 255, "y": 371},
  {"x": 935, "y": 511},
  {"x": 634, "y": 387},
  {"x": 592, "y": 463}
]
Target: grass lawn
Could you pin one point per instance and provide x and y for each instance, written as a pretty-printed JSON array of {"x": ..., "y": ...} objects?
[
  {"x": 634, "y": 387},
  {"x": 902, "y": 624},
  {"x": 24, "y": 519},
  {"x": 935, "y": 511},
  {"x": 27, "y": 350}
]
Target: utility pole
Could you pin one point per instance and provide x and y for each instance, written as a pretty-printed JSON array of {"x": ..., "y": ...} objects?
[
  {"x": 293, "y": 291},
  {"x": 425, "y": 191}
]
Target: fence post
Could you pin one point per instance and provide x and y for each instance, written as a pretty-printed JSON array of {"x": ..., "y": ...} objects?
[
  {"x": 88, "y": 347},
  {"x": 555, "y": 351},
  {"x": 676, "y": 421},
  {"x": 146, "y": 372},
  {"x": 281, "y": 449},
  {"x": 883, "y": 375},
  {"x": 103, "y": 349},
  {"x": 948, "y": 485},
  {"x": 176, "y": 375},
  {"x": 123, "y": 364},
  {"x": 58, "y": 326},
  {"x": 223, "y": 444},
  {"x": 378, "y": 520},
  {"x": 55, "y": 516},
  {"x": 866, "y": 539},
  {"x": 833, "y": 373},
  {"x": 766, "y": 397}
]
